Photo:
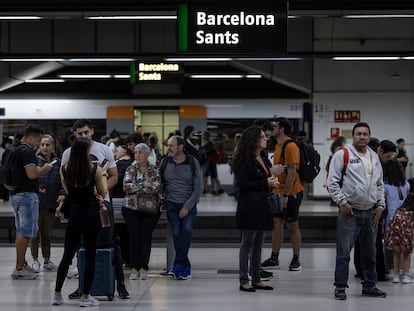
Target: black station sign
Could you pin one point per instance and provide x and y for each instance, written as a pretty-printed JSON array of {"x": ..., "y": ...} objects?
[
  {"x": 250, "y": 29},
  {"x": 156, "y": 72}
]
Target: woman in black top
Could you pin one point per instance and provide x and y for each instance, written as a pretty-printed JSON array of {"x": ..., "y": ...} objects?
[
  {"x": 253, "y": 216},
  {"x": 79, "y": 178}
]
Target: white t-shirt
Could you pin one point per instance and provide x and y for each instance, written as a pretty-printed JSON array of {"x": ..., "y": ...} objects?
[
  {"x": 98, "y": 153},
  {"x": 367, "y": 162}
]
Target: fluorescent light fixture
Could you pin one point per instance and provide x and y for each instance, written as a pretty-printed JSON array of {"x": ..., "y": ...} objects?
[
  {"x": 268, "y": 58},
  {"x": 224, "y": 76},
  {"x": 379, "y": 16},
  {"x": 216, "y": 76},
  {"x": 199, "y": 59},
  {"x": 228, "y": 59},
  {"x": 353, "y": 58},
  {"x": 85, "y": 76},
  {"x": 28, "y": 17},
  {"x": 121, "y": 76},
  {"x": 108, "y": 59},
  {"x": 45, "y": 81},
  {"x": 32, "y": 59},
  {"x": 132, "y": 17},
  {"x": 408, "y": 58}
]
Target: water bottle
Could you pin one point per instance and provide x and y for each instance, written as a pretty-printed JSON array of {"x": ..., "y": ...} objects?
[{"x": 103, "y": 214}]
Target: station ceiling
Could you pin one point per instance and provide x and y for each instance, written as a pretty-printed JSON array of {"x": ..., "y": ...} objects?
[{"x": 269, "y": 86}]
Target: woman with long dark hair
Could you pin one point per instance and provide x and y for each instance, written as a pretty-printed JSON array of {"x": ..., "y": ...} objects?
[
  {"x": 80, "y": 178},
  {"x": 254, "y": 218}
]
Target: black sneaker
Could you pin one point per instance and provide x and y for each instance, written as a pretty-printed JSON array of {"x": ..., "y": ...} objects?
[
  {"x": 75, "y": 295},
  {"x": 264, "y": 276},
  {"x": 340, "y": 293},
  {"x": 295, "y": 264},
  {"x": 271, "y": 263},
  {"x": 373, "y": 291}
]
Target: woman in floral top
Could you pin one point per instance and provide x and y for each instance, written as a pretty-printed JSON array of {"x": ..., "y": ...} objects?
[
  {"x": 140, "y": 177},
  {"x": 399, "y": 236}
]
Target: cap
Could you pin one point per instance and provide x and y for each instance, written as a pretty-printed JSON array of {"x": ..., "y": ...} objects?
[{"x": 388, "y": 146}]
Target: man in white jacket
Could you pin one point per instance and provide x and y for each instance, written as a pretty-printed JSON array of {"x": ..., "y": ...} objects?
[{"x": 358, "y": 189}]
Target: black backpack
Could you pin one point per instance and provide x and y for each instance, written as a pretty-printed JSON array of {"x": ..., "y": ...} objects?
[
  {"x": 309, "y": 166},
  {"x": 11, "y": 173}
]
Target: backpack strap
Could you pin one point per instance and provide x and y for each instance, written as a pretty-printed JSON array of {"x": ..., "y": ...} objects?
[
  {"x": 346, "y": 161},
  {"x": 282, "y": 154}
]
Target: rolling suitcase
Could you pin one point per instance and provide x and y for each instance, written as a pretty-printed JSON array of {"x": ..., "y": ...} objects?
[{"x": 104, "y": 280}]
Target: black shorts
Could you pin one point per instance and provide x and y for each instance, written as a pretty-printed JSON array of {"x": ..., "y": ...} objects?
[{"x": 291, "y": 212}]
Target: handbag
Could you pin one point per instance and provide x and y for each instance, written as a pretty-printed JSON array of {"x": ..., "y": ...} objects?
[
  {"x": 147, "y": 204},
  {"x": 276, "y": 204}
]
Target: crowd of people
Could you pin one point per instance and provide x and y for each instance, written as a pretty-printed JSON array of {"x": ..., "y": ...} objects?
[{"x": 366, "y": 180}]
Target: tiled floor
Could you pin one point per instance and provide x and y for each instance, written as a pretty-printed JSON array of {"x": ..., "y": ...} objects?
[
  {"x": 211, "y": 289},
  {"x": 310, "y": 289}
]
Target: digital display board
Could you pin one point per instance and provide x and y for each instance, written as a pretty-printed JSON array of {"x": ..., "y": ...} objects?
[{"x": 156, "y": 72}]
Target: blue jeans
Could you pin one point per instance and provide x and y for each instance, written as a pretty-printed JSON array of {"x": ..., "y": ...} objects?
[
  {"x": 182, "y": 230},
  {"x": 349, "y": 227},
  {"x": 26, "y": 213}
]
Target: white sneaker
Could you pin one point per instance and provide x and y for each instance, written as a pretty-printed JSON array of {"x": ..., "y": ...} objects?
[
  {"x": 24, "y": 274},
  {"x": 57, "y": 299},
  {"x": 134, "y": 274},
  {"x": 88, "y": 302},
  {"x": 50, "y": 266},
  {"x": 36, "y": 266},
  {"x": 143, "y": 274},
  {"x": 406, "y": 279},
  {"x": 73, "y": 273},
  {"x": 390, "y": 275},
  {"x": 396, "y": 278}
]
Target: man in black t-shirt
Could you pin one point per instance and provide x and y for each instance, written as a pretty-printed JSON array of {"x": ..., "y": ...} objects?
[
  {"x": 24, "y": 199},
  {"x": 401, "y": 154}
]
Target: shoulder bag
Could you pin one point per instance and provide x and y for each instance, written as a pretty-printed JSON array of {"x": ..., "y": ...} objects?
[{"x": 147, "y": 204}]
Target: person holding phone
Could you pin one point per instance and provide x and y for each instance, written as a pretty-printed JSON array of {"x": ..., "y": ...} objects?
[{"x": 50, "y": 193}]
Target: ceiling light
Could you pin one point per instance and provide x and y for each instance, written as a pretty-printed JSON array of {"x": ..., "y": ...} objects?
[
  {"x": 379, "y": 16},
  {"x": 224, "y": 76},
  {"x": 131, "y": 17},
  {"x": 11, "y": 17},
  {"x": 45, "y": 81},
  {"x": 408, "y": 58},
  {"x": 85, "y": 76},
  {"x": 32, "y": 59},
  {"x": 353, "y": 58},
  {"x": 268, "y": 58},
  {"x": 110, "y": 59},
  {"x": 121, "y": 76},
  {"x": 199, "y": 59}
]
